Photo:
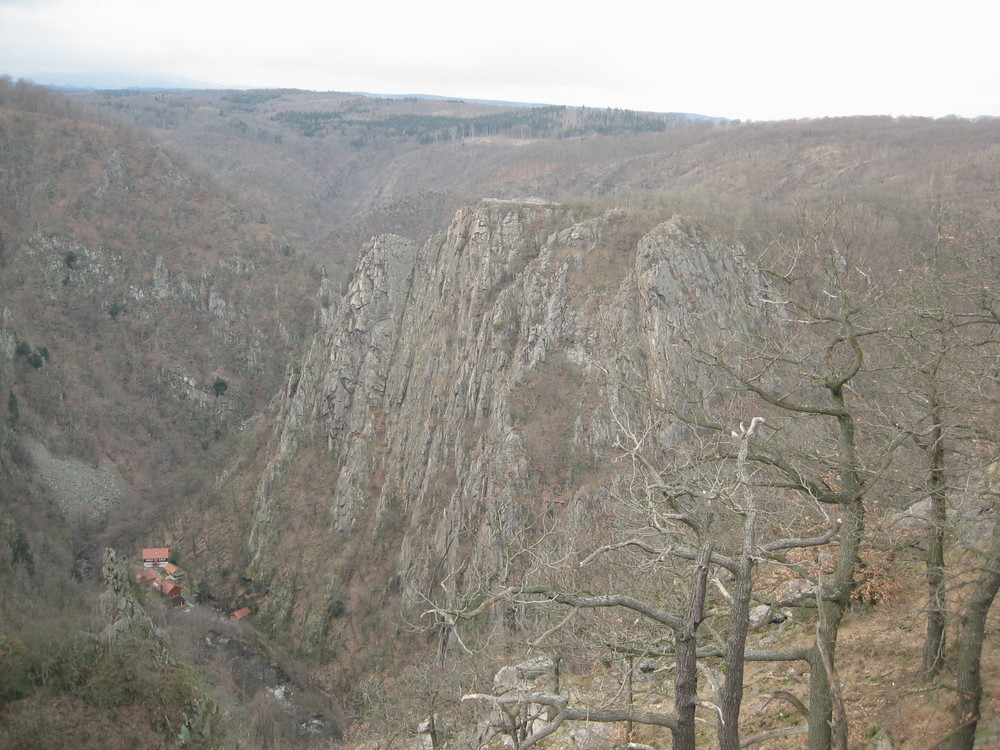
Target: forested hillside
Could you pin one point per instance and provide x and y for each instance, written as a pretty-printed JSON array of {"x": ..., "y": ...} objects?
[
  {"x": 146, "y": 320},
  {"x": 333, "y": 190}
]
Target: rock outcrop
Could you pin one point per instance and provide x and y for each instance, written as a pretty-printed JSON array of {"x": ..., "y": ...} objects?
[
  {"x": 121, "y": 614},
  {"x": 462, "y": 391}
]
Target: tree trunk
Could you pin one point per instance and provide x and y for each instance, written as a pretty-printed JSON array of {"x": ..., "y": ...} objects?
[
  {"x": 631, "y": 697},
  {"x": 970, "y": 650},
  {"x": 831, "y": 611},
  {"x": 820, "y": 701},
  {"x": 934, "y": 643},
  {"x": 686, "y": 644},
  {"x": 731, "y": 698}
]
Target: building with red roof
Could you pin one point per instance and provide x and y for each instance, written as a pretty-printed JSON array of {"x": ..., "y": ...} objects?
[
  {"x": 167, "y": 588},
  {"x": 155, "y": 557}
]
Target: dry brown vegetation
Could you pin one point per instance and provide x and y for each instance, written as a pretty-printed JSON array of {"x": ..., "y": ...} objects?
[
  {"x": 332, "y": 194},
  {"x": 89, "y": 205}
]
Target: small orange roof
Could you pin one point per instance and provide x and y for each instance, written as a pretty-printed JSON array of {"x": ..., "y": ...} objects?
[
  {"x": 241, "y": 613},
  {"x": 155, "y": 553}
]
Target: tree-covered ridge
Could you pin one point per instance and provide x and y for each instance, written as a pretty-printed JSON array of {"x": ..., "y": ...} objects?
[
  {"x": 249, "y": 99},
  {"x": 533, "y": 122}
]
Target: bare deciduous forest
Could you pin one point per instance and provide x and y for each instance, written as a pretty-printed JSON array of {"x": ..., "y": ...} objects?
[{"x": 625, "y": 430}]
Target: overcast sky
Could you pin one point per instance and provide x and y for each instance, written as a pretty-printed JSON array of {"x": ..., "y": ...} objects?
[{"x": 771, "y": 59}]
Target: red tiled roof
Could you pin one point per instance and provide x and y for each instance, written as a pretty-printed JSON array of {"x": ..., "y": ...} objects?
[
  {"x": 166, "y": 588},
  {"x": 241, "y": 613},
  {"x": 155, "y": 553}
]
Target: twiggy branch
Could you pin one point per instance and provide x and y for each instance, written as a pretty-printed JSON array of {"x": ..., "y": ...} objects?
[
  {"x": 612, "y": 600},
  {"x": 772, "y": 734},
  {"x": 554, "y": 629},
  {"x": 559, "y": 702}
]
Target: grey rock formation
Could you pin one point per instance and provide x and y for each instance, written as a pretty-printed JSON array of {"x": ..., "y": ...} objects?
[
  {"x": 461, "y": 391},
  {"x": 534, "y": 675},
  {"x": 80, "y": 491},
  {"x": 342, "y": 380},
  {"x": 120, "y": 613},
  {"x": 764, "y": 614}
]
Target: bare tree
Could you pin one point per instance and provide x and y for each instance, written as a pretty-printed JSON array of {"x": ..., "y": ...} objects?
[
  {"x": 671, "y": 536},
  {"x": 825, "y": 443},
  {"x": 766, "y": 437},
  {"x": 947, "y": 347},
  {"x": 693, "y": 521}
]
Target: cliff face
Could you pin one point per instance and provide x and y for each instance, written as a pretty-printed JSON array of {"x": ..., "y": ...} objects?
[{"x": 462, "y": 392}]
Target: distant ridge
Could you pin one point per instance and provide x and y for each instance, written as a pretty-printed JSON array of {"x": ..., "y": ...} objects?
[
  {"x": 117, "y": 81},
  {"x": 109, "y": 80},
  {"x": 504, "y": 103},
  {"x": 433, "y": 97}
]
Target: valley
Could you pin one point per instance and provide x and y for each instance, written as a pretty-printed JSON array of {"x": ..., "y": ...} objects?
[{"x": 695, "y": 414}]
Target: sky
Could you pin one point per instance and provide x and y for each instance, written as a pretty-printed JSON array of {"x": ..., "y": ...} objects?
[{"x": 764, "y": 60}]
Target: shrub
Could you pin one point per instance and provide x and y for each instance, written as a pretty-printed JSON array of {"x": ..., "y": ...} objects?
[
  {"x": 219, "y": 387},
  {"x": 16, "y": 665},
  {"x": 13, "y": 411}
]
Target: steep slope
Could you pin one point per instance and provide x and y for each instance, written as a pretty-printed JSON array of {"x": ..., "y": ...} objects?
[
  {"x": 460, "y": 416},
  {"x": 143, "y": 318},
  {"x": 460, "y": 402},
  {"x": 456, "y": 402}
]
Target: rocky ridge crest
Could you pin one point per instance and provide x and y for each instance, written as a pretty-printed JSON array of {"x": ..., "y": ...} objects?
[{"x": 462, "y": 391}]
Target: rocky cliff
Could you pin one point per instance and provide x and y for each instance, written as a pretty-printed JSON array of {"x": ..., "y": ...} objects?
[{"x": 463, "y": 393}]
